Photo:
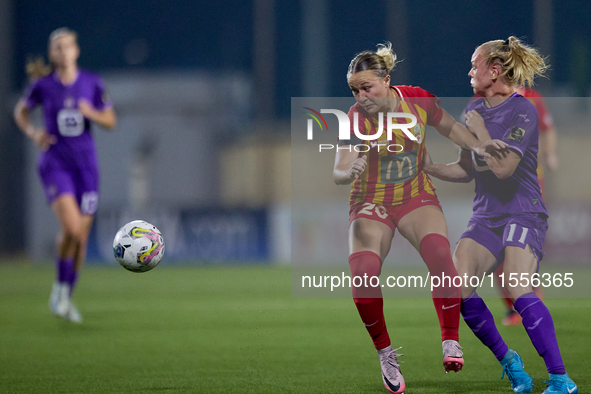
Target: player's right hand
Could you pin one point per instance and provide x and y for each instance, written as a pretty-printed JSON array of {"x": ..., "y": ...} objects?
[
  {"x": 43, "y": 139},
  {"x": 357, "y": 168}
]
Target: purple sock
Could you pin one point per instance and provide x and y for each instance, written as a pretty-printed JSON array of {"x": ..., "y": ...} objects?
[
  {"x": 63, "y": 269},
  {"x": 72, "y": 279},
  {"x": 540, "y": 328},
  {"x": 481, "y": 322}
]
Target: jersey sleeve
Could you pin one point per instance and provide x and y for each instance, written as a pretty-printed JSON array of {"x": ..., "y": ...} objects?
[
  {"x": 430, "y": 104},
  {"x": 523, "y": 130},
  {"x": 101, "y": 99},
  {"x": 33, "y": 96}
]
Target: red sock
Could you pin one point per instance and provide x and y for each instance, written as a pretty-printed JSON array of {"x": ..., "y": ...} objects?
[
  {"x": 434, "y": 249},
  {"x": 505, "y": 294},
  {"x": 368, "y": 300}
]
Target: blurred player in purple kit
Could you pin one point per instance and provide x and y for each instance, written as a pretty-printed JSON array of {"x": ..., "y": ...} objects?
[
  {"x": 510, "y": 220},
  {"x": 68, "y": 164}
]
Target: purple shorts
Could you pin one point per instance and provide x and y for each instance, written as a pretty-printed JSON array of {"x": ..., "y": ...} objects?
[
  {"x": 516, "y": 230},
  {"x": 83, "y": 185}
]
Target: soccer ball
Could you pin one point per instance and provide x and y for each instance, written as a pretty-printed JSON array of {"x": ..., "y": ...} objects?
[{"x": 138, "y": 246}]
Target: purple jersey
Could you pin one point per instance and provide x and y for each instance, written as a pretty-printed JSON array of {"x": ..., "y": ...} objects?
[
  {"x": 69, "y": 166},
  {"x": 515, "y": 121},
  {"x": 75, "y": 148}
]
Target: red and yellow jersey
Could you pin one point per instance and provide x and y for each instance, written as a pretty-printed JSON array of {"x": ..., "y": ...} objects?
[{"x": 394, "y": 170}]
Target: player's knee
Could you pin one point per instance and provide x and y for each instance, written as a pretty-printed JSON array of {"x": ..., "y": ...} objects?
[
  {"x": 72, "y": 235},
  {"x": 463, "y": 262},
  {"x": 436, "y": 245},
  {"x": 83, "y": 237},
  {"x": 516, "y": 292},
  {"x": 365, "y": 235}
]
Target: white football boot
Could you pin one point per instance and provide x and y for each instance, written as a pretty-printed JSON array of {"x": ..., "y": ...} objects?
[
  {"x": 73, "y": 315},
  {"x": 452, "y": 356},
  {"x": 391, "y": 375},
  {"x": 59, "y": 301}
]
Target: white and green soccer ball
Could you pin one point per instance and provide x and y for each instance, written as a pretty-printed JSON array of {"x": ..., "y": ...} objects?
[{"x": 138, "y": 246}]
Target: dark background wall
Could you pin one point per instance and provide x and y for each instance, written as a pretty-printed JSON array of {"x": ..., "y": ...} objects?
[{"x": 434, "y": 39}]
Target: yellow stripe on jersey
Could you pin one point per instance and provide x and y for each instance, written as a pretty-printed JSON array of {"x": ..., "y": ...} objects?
[
  {"x": 365, "y": 175},
  {"x": 423, "y": 138},
  {"x": 428, "y": 186},
  {"x": 422, "y": 113},
  {"x": 416, "y": 145},
  {"x": 398, "y": 193},
  {"x": 398, "y": 139},
  {"x": 362, "y": 186},
  {"x": 414, "y": 191},
  {"x": 406, "y": 108},
  {"x": 380, "y": 187}
]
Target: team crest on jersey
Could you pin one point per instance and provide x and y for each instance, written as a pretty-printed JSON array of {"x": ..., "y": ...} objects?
[
  {"x": 517, "y": 134},
  {"x": 418, "y": 132}
]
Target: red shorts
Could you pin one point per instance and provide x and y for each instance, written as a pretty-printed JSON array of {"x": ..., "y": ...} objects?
[{"x": 391, "y": 215}]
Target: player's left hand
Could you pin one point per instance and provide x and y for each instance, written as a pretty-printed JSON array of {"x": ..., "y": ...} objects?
[
  {"x": 489, "y": 146},
  {"x": 86, "y": 109}
]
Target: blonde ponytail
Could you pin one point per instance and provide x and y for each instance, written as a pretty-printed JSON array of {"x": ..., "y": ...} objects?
[
  {"x": 36, "y": 68},
  {"x": 521, "y": 63},
  {"x": 382, "y": 61},
  {"x": 386, "y": 53}
]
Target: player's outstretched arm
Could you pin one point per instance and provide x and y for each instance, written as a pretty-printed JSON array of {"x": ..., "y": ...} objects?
[
  {"x": 501, "y": 162},
  {"x": 348, "y": 166},
  {"x": 460, "y": 135},
  {"x": 460, "y": 171}
]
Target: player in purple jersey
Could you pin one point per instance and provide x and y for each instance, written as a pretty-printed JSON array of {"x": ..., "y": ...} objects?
[
  {"x": 509, "y": 220},
  {"x": 68, "y": 165}
]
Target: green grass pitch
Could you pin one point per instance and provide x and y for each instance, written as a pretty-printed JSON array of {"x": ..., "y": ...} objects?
[{"x": 237, "y": 330}]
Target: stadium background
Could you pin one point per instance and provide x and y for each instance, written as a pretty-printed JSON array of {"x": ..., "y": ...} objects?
[{"x": 203, "y": 92}]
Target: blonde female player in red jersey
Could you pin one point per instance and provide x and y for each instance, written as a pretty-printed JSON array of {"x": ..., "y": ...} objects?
[{"x": 390, "y": 191}]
